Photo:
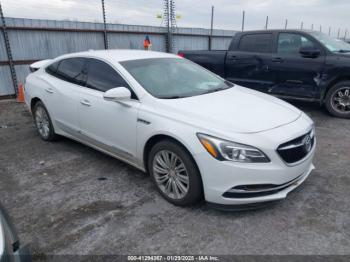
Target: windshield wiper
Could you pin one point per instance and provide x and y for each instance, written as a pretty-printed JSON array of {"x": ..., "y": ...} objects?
[
  {"x": 343, "y": 51},
  {"x": 171, "y": 97}
]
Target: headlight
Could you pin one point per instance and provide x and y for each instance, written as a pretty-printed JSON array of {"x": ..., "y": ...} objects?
[{"x": 225, "y": 150}]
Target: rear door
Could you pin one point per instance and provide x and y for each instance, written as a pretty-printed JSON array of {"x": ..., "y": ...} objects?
[
  {"x": 109, "y": 125},
  {"x": 249, "y": 64},
  {"x": 64, "y": 81},
  {"x": 297, "y": 76}
]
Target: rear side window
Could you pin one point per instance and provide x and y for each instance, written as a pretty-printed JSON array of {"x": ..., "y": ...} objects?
[
  {"x": 258, "y": 43},
  {"x": 102, "y": 77},
  {"x": 71, "y": 70},
  {"x": 51, "y": 69}
]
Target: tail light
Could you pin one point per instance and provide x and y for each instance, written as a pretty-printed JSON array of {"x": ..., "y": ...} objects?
[{"x": 181, "y": 54}]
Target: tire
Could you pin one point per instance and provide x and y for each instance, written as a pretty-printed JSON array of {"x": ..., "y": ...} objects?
[
  {"x": 43, "y": 122},
  {"x": 194, "y": 192},
  {"x": 336, "y": 105}
]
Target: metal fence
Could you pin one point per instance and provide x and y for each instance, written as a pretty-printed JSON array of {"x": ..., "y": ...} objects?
[{"x": 33, "y": 39}]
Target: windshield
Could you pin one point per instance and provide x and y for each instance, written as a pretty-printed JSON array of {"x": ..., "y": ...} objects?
[
  {"x": 332, "y": 44},
  {"x": 171, "y": 78}
]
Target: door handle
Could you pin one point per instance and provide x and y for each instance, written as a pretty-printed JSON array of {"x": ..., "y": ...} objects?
[
  {"x": 231, "y": 57},
  {"x": 265, "y": 68},
  {"x": 85, "y": 102},
  {"x": 277, "y": 60},
  {"x": 49, "y": 90}
]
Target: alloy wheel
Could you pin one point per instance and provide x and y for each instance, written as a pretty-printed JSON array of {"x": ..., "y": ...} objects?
[
  {"x": 42, "y": 122},
  {"x": 341, "y": 100},
  {"x": 170, "y": 174}
]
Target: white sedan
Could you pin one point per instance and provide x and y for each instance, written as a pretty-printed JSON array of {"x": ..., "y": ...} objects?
[{"x": 197, "y": 135}]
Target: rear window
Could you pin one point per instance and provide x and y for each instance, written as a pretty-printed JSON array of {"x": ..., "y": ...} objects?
[{"x": 258, "y": 43}]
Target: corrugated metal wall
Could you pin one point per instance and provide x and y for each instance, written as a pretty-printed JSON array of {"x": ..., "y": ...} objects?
[{"x": 34, "y": 39}]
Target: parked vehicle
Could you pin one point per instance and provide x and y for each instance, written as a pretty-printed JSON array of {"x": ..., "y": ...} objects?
[
  {"x": 11, "y": 249},
  {"x": 191, "y": 130},
  {"x": 290, "y": 64}
]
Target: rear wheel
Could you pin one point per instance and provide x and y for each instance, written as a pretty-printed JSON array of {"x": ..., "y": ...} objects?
[
  {"x": 175, "y": 173},
  {"x": 43, "y": 122},
  {"x": 338, "y": 100}
]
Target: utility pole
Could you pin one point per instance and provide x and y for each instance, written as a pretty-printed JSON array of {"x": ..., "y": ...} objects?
[
  {"x": 346, "y": 32},
  {"x": 338, "y": 33},
  {"x": 170, "y": 23},
  {"x": 312, "y": 26},
  {"x": 329, "y": 31},
  {"x": 301, "y": 25},
  {"x": 320, "y": 28},
  {"x": 243, "y": 18},
  {"x": 286, "y": 24},
  {"x": 104, "y": 25},
  {"x": 211, "y": 27},
  {"x": 267, "y": 22},
  {"x": 8, "y": 51}
]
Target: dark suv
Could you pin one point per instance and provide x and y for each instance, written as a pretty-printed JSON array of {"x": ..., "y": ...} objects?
[{"x": 291, "y": 64}]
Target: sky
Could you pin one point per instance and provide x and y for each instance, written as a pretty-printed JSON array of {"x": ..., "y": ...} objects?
[{"x": 194, "y": 13}]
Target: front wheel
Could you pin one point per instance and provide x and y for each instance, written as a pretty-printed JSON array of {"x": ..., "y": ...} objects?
[
  {"x": 175, "y": 173},
  {"x": 338, "y": 100}
]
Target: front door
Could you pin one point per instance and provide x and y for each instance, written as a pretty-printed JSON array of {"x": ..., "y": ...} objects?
[
  {"x": 249, "y": 65},
  {"x": 297, "y": 76},
  {"x": 111, "y": 126}
]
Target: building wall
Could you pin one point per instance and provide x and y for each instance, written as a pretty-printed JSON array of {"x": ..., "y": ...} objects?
[{"x": 34, "y": 39}]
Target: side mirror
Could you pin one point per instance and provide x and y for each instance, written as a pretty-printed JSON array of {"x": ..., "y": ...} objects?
[
  {"x": 117, "y": 94},
  {"x": 309, "y": 51}
]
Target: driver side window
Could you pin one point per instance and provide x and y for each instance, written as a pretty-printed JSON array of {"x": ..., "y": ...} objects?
[
  {"x": 290, "y": 43},
  {"x": 102, "y": 77}
]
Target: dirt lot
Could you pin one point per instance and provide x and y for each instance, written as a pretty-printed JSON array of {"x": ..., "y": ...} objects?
[{"x": 66, "y": 198}]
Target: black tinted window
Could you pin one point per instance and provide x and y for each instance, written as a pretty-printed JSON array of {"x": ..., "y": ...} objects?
[
  {"x": 51, "y": 69},
  {"x": 259, "y": 43},
  {"x": 102, "y": 77},
  {"x": 291, "y": 43},
  {"x": 71, "y": 70}
]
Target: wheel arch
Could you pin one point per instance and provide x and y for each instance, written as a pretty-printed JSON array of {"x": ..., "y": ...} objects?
[
  {"x": 33, "y": 101},
  {"x": 333, "y": 83},
  {"x": 160, "y": 137}
]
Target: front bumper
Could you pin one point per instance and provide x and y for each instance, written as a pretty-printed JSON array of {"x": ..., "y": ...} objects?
[
  {"x": 232, "y": 183},
  {"x": 225, "y": 176}
]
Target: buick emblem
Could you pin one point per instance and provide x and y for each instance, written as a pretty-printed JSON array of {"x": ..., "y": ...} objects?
[{"x": 307, "y": 143}]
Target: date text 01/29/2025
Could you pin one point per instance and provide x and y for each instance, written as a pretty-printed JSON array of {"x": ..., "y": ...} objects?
[{"x": 173, "y": 258}]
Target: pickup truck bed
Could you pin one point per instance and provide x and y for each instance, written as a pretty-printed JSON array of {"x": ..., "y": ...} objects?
[{"x": 211, "y": 60}]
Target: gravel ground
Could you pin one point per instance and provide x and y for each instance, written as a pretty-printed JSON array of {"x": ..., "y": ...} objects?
[{"x": 66, "y": 198}]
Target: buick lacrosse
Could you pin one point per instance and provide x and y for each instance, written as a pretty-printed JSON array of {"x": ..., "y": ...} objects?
[{"x": 197, "y": 135}]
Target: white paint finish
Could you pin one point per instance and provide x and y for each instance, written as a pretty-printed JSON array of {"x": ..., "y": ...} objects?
[
  {"x": 237, "y": 114},
  {"x": 2, "y": 240}
]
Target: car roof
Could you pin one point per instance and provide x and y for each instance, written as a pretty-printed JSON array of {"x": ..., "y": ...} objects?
[
  {"x": 120, "y": 55},
  {"x": 278, "y": 30}
]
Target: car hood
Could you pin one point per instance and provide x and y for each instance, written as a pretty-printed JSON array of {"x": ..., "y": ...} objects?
[{"x": 236, "y": 109}]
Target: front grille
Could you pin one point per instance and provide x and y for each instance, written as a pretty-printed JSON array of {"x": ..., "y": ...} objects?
[{"x": 298, "y": 148}]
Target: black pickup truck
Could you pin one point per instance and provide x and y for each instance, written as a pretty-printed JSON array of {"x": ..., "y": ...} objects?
[{"x": 291, "y": 64}]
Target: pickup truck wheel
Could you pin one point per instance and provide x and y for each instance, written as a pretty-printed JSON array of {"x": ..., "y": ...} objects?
[
  {"x": 43, "y": 122},
  {"x": 175, "y": 173},
  {"x": 338, "y": 100}
]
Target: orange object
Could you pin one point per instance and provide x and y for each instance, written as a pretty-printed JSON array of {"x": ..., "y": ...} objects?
[{"x": 20, "y": 95}]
